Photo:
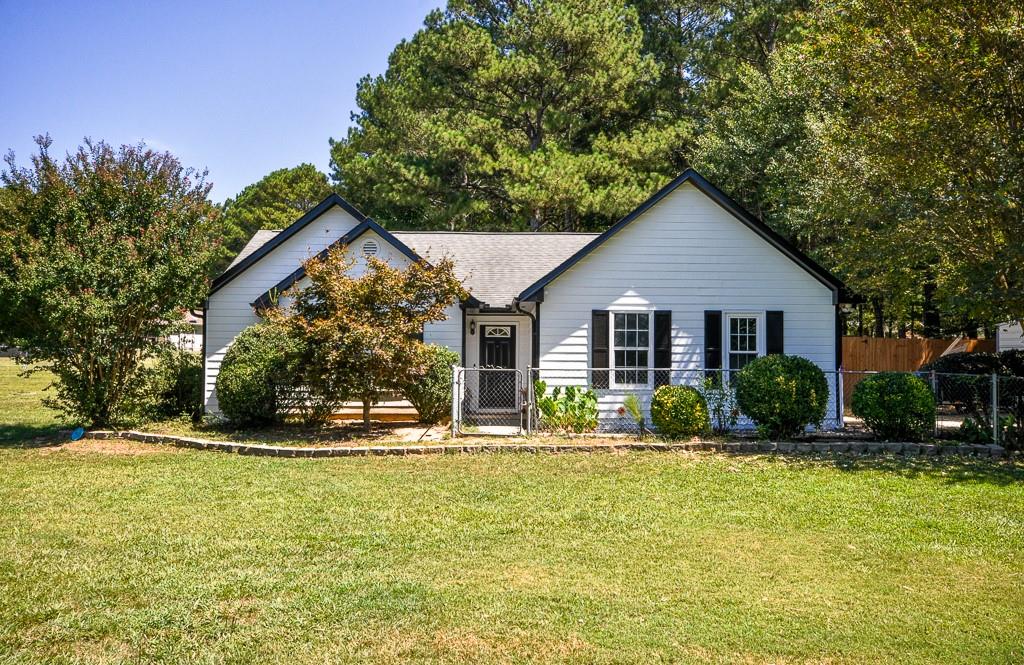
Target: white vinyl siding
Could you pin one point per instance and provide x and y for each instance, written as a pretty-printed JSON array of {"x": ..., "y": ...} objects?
[
  {"x": 229, "y": 310},
  {"x": 686, "y": 254},
  {"x": 1009, "y": 336}
]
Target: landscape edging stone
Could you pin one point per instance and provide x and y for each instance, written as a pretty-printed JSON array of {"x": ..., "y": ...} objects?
[{"x": 736, "y": 448}]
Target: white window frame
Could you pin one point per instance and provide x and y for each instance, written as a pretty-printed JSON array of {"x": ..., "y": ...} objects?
[
  {"x": 727, "y": 338},
  {"x": 613, "y": 382}
]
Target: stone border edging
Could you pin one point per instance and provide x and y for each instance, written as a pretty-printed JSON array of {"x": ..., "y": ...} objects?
[{"x": 784, "y": 447}]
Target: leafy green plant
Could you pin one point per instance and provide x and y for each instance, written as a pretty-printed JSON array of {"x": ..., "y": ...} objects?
[
  {"x": 977, "y": 431},
  {"x": 895, "y": 406},
  {"x": 176, "y": 384},
  {"x": 431, "y": 391},
  {"x": 360, "y": 330},
  {"x": 782, "y": 394},
  {"x": 570, "y": 410},
  {"x": 721, "y": 401},
  {"x": 631, "y": 406},
  {"x": 99, "y": 254},
  {"x": 254, "y": 375},
  {"x": 679, "y": 411}
]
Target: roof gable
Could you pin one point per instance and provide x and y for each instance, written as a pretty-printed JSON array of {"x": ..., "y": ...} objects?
[
  {"x": 267, "y": 299},
  {"x": 239, "y": 266},
  {"x": 535, "y": 290}
]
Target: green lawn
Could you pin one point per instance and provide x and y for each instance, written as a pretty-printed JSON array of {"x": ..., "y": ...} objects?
[
  {"x": 119, "y": 552},
  {"x": 23, "y": 418}
]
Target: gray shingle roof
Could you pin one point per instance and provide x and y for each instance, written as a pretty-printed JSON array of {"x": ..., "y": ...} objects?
[
  {"x": 257, "y": 240},
  {"x": 497, "y": 267}
]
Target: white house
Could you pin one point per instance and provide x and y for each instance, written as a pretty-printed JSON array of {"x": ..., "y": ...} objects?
[
  {"x": 687, "y": 281},
  {"x": 1009, "y": 336}
]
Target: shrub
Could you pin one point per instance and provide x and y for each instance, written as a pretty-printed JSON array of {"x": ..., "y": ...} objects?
[
  {"x": 1012, "y": 361},
  {"x": 177, "y": 384},
  {"x": 679, "y": 411},
  {"x": 782, "y": 394},
  {"x": 431, "y": 392},
  {"x": 895, "y": 406},
  {"x": 964, "y": 363},
  {"x": 574, "y": 410},
  {"x": 253, "y": 374},
  {"x": 964, "y": 380},
  {"x": 721, "y": 400}
]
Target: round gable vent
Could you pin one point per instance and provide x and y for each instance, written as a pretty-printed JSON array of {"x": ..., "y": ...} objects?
[{"x": 370, "y": 248}]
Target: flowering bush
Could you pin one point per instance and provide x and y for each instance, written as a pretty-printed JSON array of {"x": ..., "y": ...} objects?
[{"x": 679, "y": 411}]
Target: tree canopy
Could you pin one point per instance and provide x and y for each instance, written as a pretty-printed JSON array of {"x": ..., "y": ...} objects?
[
  {"x": 101, "y": 253},
  {"x": 887, "y": 141},
  {"x": 361, "y": 330},
  {"x": 511, "y": 115},
  {"x": 277, "y": 200}
]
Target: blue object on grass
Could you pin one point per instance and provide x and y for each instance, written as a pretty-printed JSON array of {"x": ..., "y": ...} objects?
[{"x": 77, "y": 433}]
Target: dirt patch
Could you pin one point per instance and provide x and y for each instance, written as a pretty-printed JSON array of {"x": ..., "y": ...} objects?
[{"x": 110, "y": 447}]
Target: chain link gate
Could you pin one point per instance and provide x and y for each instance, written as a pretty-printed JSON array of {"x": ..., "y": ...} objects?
[{"x": 488, "y": 401}]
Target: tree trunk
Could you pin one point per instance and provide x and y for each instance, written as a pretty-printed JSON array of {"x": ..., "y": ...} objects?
[
  {"x": 367, "y": 402},
  {"x": 930, "y": 312},
  {"x": 876, "y": 305}
]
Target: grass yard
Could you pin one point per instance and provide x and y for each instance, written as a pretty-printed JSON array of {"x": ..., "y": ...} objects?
[
  {"x": 121, "y": 552},
  {"x": 23, "y": 418}
]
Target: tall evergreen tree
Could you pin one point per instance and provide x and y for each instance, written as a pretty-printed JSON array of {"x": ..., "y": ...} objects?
[
  {"x": 511, "y": 115},
  {"x": 277, "y": 200}
]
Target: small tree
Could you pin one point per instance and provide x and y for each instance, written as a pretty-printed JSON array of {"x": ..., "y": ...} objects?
[
  {"x": 98, "y": 256},
  {"x": 361, "y": 334}
]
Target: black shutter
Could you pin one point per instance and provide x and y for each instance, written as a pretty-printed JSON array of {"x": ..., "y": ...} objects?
[
  {"x": 662, "y": 346},
  {"x": 774, "y": 336},
  {"x": 713, "y": 343},
  {"x": 599, "y": 347}
]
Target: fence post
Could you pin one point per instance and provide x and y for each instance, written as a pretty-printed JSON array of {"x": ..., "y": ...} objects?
[
  {"x": 995, "y": 408},
  {"x": 455, "y": 401},
  {"x": 935, "y": 394},
  {"x": 840, "y": 401},
  {"x": 529, "y": 400}
]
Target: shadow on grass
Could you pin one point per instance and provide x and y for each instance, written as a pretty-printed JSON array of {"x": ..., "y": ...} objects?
[
  {"x": 950, "y": 469},
  {"x": 31, "y": 436},
  {"x": 294, "y": 434}
]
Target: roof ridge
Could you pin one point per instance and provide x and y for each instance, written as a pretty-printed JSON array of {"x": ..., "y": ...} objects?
[{"x": 505, "y": 233}]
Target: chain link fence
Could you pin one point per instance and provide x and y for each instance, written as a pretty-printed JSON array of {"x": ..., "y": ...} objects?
[
  {"x": 488, "y": 401},
  {"x": 970, "y": 408},
  {"x": 615, "y": 401}
]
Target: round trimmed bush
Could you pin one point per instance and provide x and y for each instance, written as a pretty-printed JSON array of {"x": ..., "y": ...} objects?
[
  {"x": 782, "y": 394},
  {"x": 431, "y": 392},
  {"x": 895, "y": 406},
  {"x": 253, "y": 371},
  {"x": 679, "y": 411}
]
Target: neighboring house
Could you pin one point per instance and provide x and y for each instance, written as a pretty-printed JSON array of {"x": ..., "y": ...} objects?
[
  {"x": 1009, "y": 336},
  {"x": 701, "y": 284},
  {"x": 188, "y": 336}
]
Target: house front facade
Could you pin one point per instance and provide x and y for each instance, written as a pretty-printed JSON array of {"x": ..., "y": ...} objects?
[{"x": 687, "y": 282}]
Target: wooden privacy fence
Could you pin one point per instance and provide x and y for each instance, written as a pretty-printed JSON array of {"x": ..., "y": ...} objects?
[{"x": 887, "y": 354}]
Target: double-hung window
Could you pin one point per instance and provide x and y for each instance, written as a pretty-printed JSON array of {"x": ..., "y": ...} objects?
[
  {"x": 742, "y": 339},
  {"x": 631, "y": 344}
]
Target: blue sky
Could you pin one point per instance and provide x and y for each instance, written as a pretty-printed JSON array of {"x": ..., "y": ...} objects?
[{"x": 240, "y": 88}]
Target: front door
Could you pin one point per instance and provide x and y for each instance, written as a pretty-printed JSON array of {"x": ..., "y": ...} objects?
[{"x": 498, "y": 383}]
